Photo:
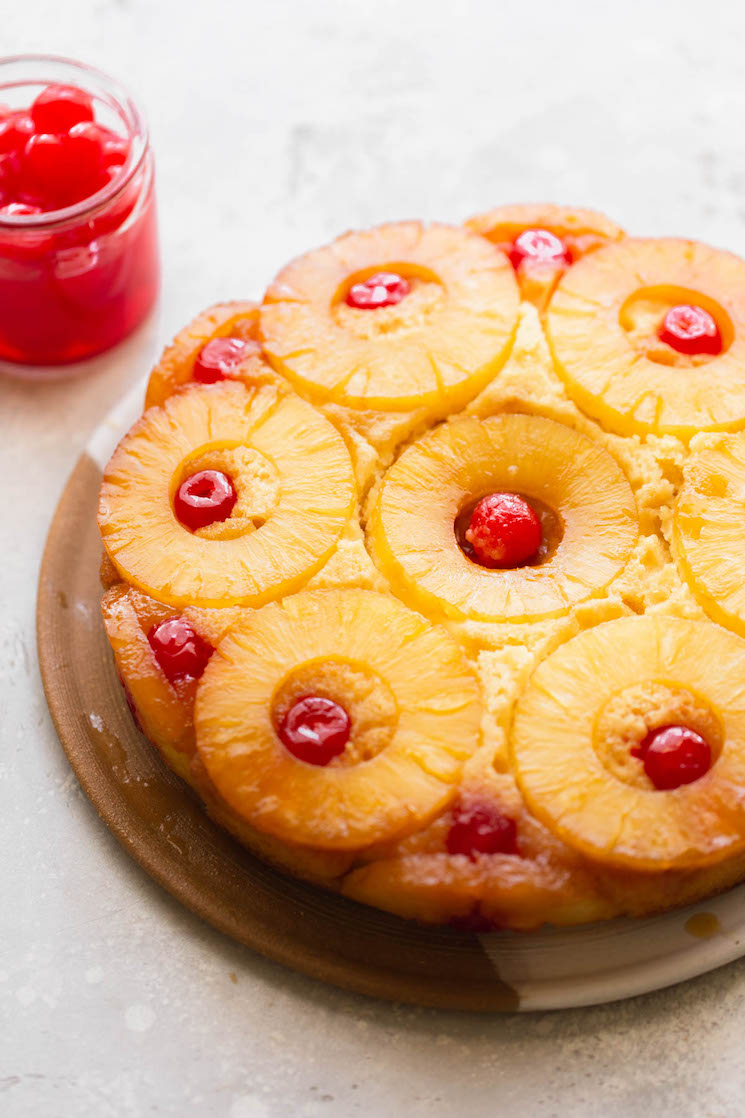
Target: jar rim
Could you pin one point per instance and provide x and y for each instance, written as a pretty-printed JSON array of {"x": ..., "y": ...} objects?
[{"x": 119, "y": 98}]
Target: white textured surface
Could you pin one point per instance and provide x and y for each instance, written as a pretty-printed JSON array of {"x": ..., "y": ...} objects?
[{"x": 277, "y": 125}]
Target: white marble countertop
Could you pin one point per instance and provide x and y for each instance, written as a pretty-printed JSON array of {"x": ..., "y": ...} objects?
[{"x": 277, "y": 125}]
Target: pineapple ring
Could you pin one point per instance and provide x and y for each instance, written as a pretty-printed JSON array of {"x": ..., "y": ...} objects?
[
  {"x": 562, "y": 775},
  {"x": 224, "y": 320},
  {"x": 152, "y": 550},
  {"x": 410, "y": 780},
  {"x": 582, "y": 231},
  {"x": 598, "y": 324},
  {"x": 708, "y": 532},
  {"x": 411, "y": 527},
  {"x": 437, "y": 348}
]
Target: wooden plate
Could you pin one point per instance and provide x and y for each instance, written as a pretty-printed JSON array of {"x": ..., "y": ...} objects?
[{"x": 162, "y": 825}]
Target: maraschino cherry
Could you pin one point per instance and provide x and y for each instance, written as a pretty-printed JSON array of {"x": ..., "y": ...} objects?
[
  {"x": 673, "y": 755},
  {"x": 16, "y": 129},
  {"x": 690, "y": 329},
  {"x": 481, "y": 829},
  {"x": 219, "y": 358},
  {"x": 534, "y": 246},
  {"x": 204, "y": 498},
  {"x": 504, "y": 531},
  {"x": 384, "y": 289},
  {"x": 59, "y": 107},
  {"x": 315, "y": 729},
  {"x": 54, "y": 154},
  {"x": 179, "y": 650}
]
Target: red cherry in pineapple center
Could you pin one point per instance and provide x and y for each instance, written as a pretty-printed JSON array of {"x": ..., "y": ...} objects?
[
  {"x": 481, "y": 829},
  {"x": 180, "y": 651},
  {"x": 504, "y": 531},
  {"x": 690, "y": 329},
  {"x": 315, "y": 729},
  {"x": 674, "y": 755},
  {"x": 539, "y": 246},
  {"x": 204, "y": 498},
  {"x": 384, "y": 289},
  {"x": 219, "y": 358}
]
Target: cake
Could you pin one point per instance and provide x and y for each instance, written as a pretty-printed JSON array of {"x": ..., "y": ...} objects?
[{"x": 425, "y": 573}]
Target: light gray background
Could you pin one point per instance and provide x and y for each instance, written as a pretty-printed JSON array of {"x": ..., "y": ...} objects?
[{"x": 277, "y": 125}]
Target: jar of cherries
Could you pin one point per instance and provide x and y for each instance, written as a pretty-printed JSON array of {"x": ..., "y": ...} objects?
[{"x": 79, "y": 266}]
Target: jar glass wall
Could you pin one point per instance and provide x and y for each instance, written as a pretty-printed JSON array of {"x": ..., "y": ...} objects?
[{"x": 76, "y": 280}]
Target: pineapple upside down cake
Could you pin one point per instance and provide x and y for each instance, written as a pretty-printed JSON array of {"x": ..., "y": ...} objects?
[{"x": 426, "y": 573}]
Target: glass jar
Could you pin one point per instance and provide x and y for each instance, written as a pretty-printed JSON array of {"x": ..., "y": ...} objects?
[{"x": 77, "y": 280}]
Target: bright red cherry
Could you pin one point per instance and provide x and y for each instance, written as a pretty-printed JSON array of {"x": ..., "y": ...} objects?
[
  {"x": 7, "y": 171},
  {"x": 481, "y": 829},
  {"x": 46, "y": 164},
  {"x": 539, "y": 246},
  {"x": 115, "y": 149},
  {"x": 180, "y": 651},
  {"x": 384, "y": 289},
  {"x": 65, "y": 168},
  {"x": 59, "y": 107},
  {"x": 86, "y": 144},
  {"x": 504, "y": 531},
  {"x": 315, "y": 729},
  {"x": 204, "y": 498},
  {"x": 219, "y": 358},
  {"x": 15, "y": 132},
  {"x": 674, "y": 755},
  {"x": 690, "y": 329}
]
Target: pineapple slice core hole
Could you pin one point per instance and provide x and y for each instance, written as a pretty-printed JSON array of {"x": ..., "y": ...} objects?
[
  {"x": 552, "y": 529},
  {"x": 628, "y": 716},
  {"x": 427, "y": 296},
  {"x": 362, "y": 692},
  {"x": 642, "y": 313},
  {"x": 255, "y": 479}
]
